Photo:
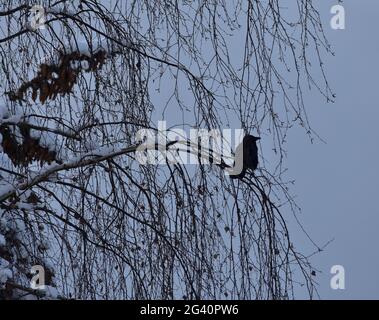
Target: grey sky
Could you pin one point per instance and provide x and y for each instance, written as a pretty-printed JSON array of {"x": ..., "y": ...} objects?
[{"x": 337, "y": 182}]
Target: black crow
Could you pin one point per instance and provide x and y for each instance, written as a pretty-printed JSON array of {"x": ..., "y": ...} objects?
[{"x": 246, "y": 157}]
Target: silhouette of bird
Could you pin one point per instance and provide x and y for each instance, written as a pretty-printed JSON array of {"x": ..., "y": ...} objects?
[{"x": 246, "y": 157}]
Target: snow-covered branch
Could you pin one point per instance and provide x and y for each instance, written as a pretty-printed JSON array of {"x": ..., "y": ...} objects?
[{"x": 90, "y": 158}]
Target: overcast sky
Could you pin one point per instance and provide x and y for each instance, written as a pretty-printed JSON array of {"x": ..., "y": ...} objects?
[{"x": 337, "y": 182}]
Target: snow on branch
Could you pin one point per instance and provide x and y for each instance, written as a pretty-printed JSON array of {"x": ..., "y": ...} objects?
[{"x": 92, "y": 157}]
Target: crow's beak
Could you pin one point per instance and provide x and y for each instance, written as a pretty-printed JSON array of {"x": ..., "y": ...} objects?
[{"x": 258, "y": 138}]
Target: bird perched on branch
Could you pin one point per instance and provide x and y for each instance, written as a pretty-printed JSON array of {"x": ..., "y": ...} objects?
[{"x": 246, "y": 157}]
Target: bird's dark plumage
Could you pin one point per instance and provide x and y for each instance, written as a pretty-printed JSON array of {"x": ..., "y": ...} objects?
[{"x": 246, "y": 157}]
